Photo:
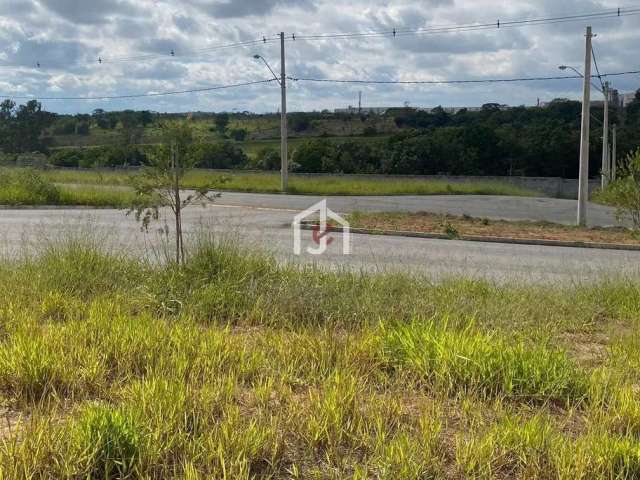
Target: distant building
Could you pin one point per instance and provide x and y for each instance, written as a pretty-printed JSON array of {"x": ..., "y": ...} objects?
[
  {"x": 356, "y": 110},
  {"x": 627, "y": 98},
  {"x": 384, "y": 110}
]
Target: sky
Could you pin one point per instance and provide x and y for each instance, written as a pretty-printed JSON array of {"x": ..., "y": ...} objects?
[{"x": 135, "y": 37}]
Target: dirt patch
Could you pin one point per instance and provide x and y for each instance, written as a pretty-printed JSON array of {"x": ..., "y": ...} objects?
[
  {"x": 10, "y": 421},
  {"x": 425, "y": 222}
]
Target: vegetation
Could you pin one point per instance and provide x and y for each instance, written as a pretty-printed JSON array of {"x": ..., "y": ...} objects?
[
  {"x": 311, "y": 185},
  {"x": 528, "y": 141},
  {"x": 25, "y": 187},
  {"x": 232, "y": 366},
  {"x": 160, "y": 184},
  {"x": 624, "y": 193},
  {"x": 455, "y": 226}
]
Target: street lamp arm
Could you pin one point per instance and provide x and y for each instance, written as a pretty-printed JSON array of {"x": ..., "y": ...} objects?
[
  {"x": 260, "y": 57},
  {"x": 565, "y": 67}
]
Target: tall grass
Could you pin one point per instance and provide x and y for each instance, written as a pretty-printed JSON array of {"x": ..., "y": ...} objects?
[
  {"x": 303, "y": 184},
  {"x": 25, "y": 187},
  {"x": 233, "y": 366}
]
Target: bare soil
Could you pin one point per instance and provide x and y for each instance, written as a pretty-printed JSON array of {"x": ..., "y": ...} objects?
[{"x": 425, "y": 222}]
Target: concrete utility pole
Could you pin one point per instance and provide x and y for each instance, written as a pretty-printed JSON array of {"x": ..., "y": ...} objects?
[
  {"x": 284, "y": 149},
  {"x": 605, "y": 174},
  {"x": 614, "y": 146},
  {"x": 583, "y": 181}
]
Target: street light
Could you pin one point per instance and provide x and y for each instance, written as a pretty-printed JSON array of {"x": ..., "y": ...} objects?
[
  {"x": 284, "y": 149},
  {"x": 568, "y": 67},
  {"x": 260, "y": 57}
]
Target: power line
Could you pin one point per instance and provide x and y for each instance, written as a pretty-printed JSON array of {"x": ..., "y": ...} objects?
[
  {"x": 595, "y": 61},
  {"x": 143, "y": 95},
  {"x": 172, "y": 54},
  {"x": 444, "y": 82},
  {"x": 620, "y": 12}
]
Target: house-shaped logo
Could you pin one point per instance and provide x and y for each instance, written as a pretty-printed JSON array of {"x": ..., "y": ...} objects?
[{"x": 320, "y": 230}]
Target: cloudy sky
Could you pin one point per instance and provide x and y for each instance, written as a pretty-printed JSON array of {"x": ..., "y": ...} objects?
[{"x": 135, "y": 37}]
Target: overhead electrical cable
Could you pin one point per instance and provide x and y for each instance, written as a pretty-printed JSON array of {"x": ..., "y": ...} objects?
[{"x": 143, "y": 95}]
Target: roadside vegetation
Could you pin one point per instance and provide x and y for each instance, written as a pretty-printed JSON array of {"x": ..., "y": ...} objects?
[
  {"x": 26, "y": 187},
  {"x": 299, "y": 184},
  {"x": 624, "y": 192},
  {"x": 457, "y": 226},
  {"x": 234, "y": 366}
]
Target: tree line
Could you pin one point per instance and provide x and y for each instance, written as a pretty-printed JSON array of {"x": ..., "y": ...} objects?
[{"x": 526, "y": 141}]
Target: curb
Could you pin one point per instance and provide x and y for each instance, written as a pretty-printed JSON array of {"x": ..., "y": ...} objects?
[{"x": 474, "y": 238}]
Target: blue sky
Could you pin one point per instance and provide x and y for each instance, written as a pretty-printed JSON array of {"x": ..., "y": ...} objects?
[{"x": 68, "y": 36}]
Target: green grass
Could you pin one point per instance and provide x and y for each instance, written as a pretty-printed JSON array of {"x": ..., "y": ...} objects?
[
  {"x": 234, "y": 366},
  {"x": 24, "y": 187},
  {"x": 301, "y": 184}
]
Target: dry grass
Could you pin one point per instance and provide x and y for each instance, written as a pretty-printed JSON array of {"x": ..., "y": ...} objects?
[
  {"x": 235, "y": 367},
  {"x": 425, "y": 222}
]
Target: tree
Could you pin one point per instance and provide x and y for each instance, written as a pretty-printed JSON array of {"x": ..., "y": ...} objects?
[
  {"x": 21, "y": 128},
  {"x": 222, "y": 122},
  {"x": 159, "y": 184},
  {"x": 624, "y": 193}
]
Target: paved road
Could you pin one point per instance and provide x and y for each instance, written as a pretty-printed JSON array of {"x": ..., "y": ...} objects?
[
  {"x": 263, "y": 221},
  {"x": 492, "y": 207}
]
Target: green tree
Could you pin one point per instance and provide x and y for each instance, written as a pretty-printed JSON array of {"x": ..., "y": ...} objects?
[
  {"x": 222, "y": 122},
  {"x": 160, "y": 183}
]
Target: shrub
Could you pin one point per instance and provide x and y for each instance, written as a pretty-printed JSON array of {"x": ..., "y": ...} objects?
[
  {"x": 624, "y": 193},
  {"x": 26, "y": 187}
]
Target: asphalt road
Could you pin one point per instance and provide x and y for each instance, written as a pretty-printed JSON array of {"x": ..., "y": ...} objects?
[
  {"x": 492, "y": 207},
  {"x": 264, "y": 222}
]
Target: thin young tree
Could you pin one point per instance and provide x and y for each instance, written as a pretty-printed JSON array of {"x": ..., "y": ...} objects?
[{"x": 159, "y": 185}]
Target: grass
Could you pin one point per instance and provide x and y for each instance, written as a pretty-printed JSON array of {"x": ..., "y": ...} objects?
[
  {"x": 301, "y": 184},
  {"x": 24, "y": 187},
  {"x": 456, "y": 226},
  {"x": 234, "y": 366}
]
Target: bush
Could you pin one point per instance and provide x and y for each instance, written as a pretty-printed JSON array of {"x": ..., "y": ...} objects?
[
  {"x": 26, "y": 187},
  {"x": 65, "y": 126},
  {"x": 238, "y": 134},
  {"x": 67, "y": 158},
  {"x": 267, "y": 159},
  {"x": 219, "y": 155},
  {"x": 624, "y": 193}
]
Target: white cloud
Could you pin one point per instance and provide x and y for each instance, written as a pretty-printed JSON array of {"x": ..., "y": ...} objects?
[{"x": 67, "y": 36}]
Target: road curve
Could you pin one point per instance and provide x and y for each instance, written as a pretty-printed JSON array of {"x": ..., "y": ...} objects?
[{"x": 264, "y": 222}]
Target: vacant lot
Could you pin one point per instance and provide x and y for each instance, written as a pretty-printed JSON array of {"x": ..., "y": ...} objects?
[
  {"x": 235, "y": 367},
  {"x": 455, "y": 226},
  {"x": 300, "y": 184}
]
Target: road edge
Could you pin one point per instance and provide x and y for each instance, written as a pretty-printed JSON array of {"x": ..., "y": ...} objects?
[{"x": 482, "y": 239}]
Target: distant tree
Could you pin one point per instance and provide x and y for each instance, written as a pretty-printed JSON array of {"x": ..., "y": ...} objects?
[
  {"x": 82, "y": 128},
  {"x": 21, "y": 127},
  {"x": 238, "y": 134},
  {"x": 299, "y": 122},
  {"x": 222, "y": 122}
]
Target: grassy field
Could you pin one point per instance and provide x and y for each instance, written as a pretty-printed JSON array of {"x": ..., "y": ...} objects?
[
  {"x": 30, "y": 188},
  {"x": 456, "y": 226},
  {"x": 299, "y": 184},
  {"x": 236, "y": 367}
]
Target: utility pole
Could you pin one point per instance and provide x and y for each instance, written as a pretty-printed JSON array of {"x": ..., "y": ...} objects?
[
  {"x": 605, "y": 174},
  {"x": 583, "y": 180},
  {"x": 359, "y": 102},
  {"x": 614, "y": 146},
  {"x": 284, "y": 151}
]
